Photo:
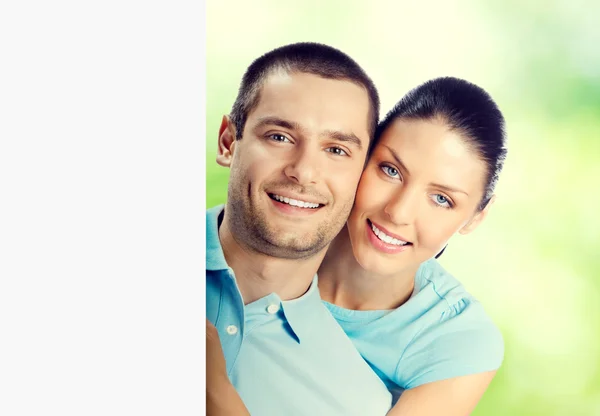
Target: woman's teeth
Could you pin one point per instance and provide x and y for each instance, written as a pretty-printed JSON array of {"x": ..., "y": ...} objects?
[{"x": 386, "y": 238}]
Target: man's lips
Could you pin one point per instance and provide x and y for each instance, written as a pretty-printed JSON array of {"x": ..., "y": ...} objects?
[
  {"x": 294, "y": 208},
  {"x": 295, "y": 201}
]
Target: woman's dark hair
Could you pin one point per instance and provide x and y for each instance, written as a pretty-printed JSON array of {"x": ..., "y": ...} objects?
[
  {"x": 467, "y": 109},
  {"x": 307, "y": 57}
]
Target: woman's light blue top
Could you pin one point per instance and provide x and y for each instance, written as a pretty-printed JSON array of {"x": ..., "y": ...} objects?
[{"x": 439, "y": 333}]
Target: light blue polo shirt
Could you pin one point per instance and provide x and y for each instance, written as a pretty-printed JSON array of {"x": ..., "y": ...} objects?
[
  {"x": 286, "y": 357},
  {"x": 439, "y": 333}
]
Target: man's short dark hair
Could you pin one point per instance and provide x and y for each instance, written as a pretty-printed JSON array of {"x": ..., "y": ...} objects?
[{"x": 309, "y": 58}]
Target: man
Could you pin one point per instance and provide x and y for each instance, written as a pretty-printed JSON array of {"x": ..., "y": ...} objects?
[{"x": 296, "y": 142}]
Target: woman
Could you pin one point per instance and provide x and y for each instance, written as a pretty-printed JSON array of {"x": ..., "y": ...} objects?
[
  {"x": 432, "y": 172},
  {"x": 431, "y": 175}
]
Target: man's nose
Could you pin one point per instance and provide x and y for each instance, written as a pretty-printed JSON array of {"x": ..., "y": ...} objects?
[{"x": 303, "y": 168}]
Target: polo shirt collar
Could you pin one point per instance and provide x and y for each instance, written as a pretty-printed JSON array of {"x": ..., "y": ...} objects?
[
  {"x": 301, "y": 313},
  {"x": 215, "y": 258}
]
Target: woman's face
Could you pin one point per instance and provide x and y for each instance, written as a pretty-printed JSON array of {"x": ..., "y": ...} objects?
[{"x": 422, "y": 184}]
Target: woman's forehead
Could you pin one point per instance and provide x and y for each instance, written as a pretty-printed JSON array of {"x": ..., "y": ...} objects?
[
  {"x": 430, "y": 139},
  {"x": 432, "y": 148}
]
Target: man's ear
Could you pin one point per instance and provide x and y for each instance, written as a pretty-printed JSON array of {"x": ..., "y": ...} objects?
[
  {"x": 478, "y": 218},
  {"x": 226, "y": 142}
]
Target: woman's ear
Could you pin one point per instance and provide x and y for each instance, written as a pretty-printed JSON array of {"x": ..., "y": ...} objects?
[
  {"x": 226, "y": 142},
  {"x": 477, "y": 218}
]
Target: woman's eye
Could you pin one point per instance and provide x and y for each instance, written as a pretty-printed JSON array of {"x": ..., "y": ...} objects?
[
  {"x": 390, "y": 171},
  {"x": 337, "y": 151},
  {"x": 442, "y": 201},
  {"x": 278, "y": 138}
]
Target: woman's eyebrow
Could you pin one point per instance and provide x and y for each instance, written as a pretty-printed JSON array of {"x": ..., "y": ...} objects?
[
  {"x": 448, "y": 188},
  {"x": 395, "y": 156},
  {"x": 438, "y": 185}
]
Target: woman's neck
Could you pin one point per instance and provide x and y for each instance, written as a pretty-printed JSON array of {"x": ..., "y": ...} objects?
[{"x": 344, "y": 282}]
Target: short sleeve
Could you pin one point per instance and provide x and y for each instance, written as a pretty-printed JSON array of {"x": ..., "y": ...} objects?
[{"x": 464, "y": 341}]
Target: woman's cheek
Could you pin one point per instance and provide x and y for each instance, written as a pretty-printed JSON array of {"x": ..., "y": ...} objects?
[{"x": 367, "y": 188}]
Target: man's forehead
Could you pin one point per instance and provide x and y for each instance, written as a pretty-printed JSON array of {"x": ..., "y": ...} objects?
[{"x": 297, "y": 95}]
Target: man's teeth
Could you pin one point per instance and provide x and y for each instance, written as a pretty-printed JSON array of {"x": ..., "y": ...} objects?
[
  {"x": 386, "y": 238},
  {"x": 295, "y": 202}
]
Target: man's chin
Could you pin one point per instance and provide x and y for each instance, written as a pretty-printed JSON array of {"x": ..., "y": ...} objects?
[{"x": 292, "y": 246}]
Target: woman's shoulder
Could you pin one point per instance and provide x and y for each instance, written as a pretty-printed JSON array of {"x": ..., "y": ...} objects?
[
  {"x": 454, "y": 328},
  {"x": 447, "y": 304},
  {"x": 446, "y": 286},
  {"x": 449, "y": 292},
  {"x": 451, "y": 299}
]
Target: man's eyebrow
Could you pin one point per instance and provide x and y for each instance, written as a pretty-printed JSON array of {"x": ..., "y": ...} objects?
[
  {"x": 276, "y": 121},
  {"x": 438, "y": 185},
  {"x": 344, "y": 137}
]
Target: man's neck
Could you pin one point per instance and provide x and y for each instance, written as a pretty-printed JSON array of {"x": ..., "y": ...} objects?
[{"x": 259, "y": 275}]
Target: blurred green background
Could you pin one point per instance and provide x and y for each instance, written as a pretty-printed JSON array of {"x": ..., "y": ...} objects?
[{"x": 534, "y": 263}]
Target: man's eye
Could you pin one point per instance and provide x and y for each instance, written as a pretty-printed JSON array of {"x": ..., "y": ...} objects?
[
  {"x": 278, "y": 138},
  {"x": 337, "y": 151}
]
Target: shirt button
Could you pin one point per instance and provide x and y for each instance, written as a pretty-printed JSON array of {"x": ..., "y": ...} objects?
[
  {"x": 232, "y": 329},
  {"x": 272, "y": 308}
]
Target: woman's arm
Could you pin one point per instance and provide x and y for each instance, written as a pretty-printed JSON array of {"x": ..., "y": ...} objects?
[
  {"x": 456, "y": 396},
  {"x": 221, "y": 397}
]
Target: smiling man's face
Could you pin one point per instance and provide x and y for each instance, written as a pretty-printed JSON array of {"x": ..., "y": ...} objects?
[{"x": 295, "y": 170}]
